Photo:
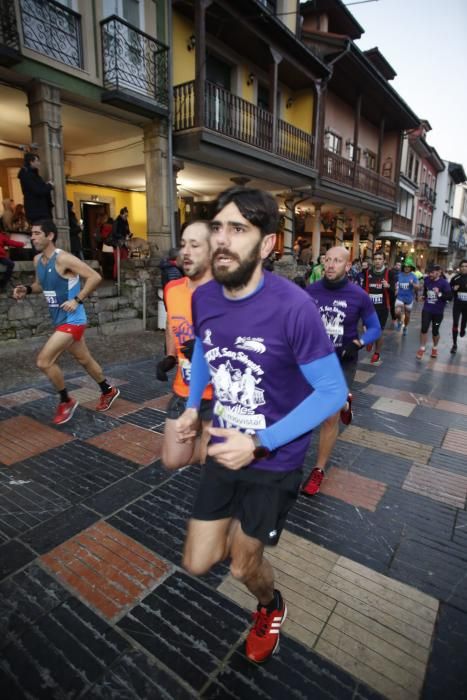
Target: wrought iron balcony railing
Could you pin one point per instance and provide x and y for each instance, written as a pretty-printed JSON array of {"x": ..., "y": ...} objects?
[
  {"x": 423, "y": 233},
  {"x": 9, "y": 35},
  {"x": 335, "y": 167},
  {"x": 134, "y": 61},
  {"x": 52, "y": 30},
  {"x": 426, "y": 192},
  {"x": 241, "y": 120}
]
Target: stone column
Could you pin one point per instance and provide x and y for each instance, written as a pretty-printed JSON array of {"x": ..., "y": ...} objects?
[
  {"x": 289, "y": 229},
  {"x": 157, "y": 195},
  {"x": 356, "y": 238},
  {"x": 340, "y": 227},
  {"x": 45, "y": 111},
  {"x": 316, "y": 244}
]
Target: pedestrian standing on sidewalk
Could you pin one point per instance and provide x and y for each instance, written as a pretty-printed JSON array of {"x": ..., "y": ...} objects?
[
  {"x": 342, "y": 304},
  {"x": 37, "y": 193},
  {"x": 378, "y": 281},
  {"x": 275, "y": 376},
  {"x": 195, "y": 252},
  {"x": 58, "y": 277},
  {"x": 459, "y": 312},
  {"x": 407, "y": 287},
  {"x": 6, "y": 265},
  {"x": 436, "y": 292}
]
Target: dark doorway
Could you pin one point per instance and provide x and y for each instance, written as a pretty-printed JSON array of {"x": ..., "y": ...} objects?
[{"x": 91, "y": 212}]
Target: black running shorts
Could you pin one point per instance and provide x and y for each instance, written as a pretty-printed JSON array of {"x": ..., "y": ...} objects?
[
  {"x": 434, "y": 319},
  {"x": 259, "y": 499},
  {"x": 177, "y": 406},
  {"x": 382, "y": 312}
]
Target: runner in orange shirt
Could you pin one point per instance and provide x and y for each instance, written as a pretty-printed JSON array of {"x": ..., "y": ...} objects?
[{"x": 195, "y": 252}]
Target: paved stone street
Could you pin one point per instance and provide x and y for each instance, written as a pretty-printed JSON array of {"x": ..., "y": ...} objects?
[{"x": 94, "y": 603}]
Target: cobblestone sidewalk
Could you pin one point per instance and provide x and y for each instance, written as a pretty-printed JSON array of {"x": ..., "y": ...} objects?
[{"x": 94, "y": 603}]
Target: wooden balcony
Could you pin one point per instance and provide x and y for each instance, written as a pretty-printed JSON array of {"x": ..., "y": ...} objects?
[
  {"x": 401, "y": 224},
  {"x": 234, "y": 117},
  {"x": 346, "y": 172}
]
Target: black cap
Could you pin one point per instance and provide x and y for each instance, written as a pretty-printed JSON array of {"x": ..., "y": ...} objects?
[{"x": 433, "y": 267}]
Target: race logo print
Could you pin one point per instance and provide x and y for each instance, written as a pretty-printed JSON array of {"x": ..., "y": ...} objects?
[
  {"x": 236, "y": 379},
  {"x": 254, "y": 344}
]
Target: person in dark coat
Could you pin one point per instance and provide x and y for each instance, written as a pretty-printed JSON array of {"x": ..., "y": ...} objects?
[
  {"x": 121, "y": 234},
  {"x": 75, "y": 232},
  {"x": 36, "y": 192}
]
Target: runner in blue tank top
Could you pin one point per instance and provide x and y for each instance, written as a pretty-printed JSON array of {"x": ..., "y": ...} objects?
[{"x": 58, "y": 278}]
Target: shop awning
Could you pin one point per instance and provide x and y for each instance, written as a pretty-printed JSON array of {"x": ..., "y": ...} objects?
[{"x": 394, "y": 236}]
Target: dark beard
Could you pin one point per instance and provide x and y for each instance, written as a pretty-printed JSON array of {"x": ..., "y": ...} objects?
[{"x": 242, "y": 275}]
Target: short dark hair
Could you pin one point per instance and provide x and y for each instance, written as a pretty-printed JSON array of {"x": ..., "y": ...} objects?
[
  {"x": 258, "y": 207},
  {"x": 462, "y": 262},
  {"x": 48, "y": 226},
  {"x": 124, "y": 210},
  {"x": 29, "y": 157}
]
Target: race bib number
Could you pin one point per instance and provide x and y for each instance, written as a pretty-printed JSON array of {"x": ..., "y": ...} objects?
[
  {"x": 462, "y": 296},
  {"x": 51, "y": 299},
  {"x": 431, "y": 297},
  {"x": 376, "y": 298}
]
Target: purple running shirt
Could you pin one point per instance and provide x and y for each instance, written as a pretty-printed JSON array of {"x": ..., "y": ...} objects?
[
  {"x": 433, "y": 303},
  {"x": 253, "y": 347},
  {"x": 341, "y": 309}
]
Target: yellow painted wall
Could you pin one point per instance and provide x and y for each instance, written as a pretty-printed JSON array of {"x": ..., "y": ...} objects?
[
  {"x": 300, "y": 114},
  {"x": 135, "y": 201},
  {"x": 184, "y": 60}
]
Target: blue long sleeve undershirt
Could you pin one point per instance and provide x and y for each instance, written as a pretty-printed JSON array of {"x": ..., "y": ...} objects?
[
  {"x": 329, "y": 395},
  {"x": 373, "y": 329}
]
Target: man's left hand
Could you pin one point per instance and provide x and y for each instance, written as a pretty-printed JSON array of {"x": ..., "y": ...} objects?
[
  {"x": 236, "y": 450},
  {"x": 71, "y": 305}
]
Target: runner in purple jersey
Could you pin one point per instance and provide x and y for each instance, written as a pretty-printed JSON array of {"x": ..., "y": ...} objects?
[
  {"x": 342, "y": 306},
  {"x": 260, "y": 339},
  {"x": 436, "y": 292}
]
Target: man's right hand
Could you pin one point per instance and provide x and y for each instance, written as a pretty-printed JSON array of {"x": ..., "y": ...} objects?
[
  {"x": 164, "y": 366},
  {"x": 186, "y": 426},
  {"x": 19, "y": 292}
]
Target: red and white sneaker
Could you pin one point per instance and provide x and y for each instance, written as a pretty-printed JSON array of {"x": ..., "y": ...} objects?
[
  {"x": 375, "y": 358},
  {"x": 434, "y": 353},
  {"x": 106, "y": 400},
  {"x": 311, "y": 486},
  {"x": 346, "y": 413},
  {"x": 65, "y": 411},
  {"x": 263, "y": 638},
  {"x": 420, "y": 353}
]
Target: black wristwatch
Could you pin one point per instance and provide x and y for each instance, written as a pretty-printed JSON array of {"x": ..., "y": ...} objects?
[
  {"x": 78, "y": 300},
  {"x": 260, "y": 451}
]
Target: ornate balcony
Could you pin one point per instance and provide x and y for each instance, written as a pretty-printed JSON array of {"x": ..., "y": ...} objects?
[
  {"x": 427, "y": 193},
  {"x": 234, "y": 117},
  {"x": 135, "y": 67},
  {"x": 344, "y": 171},
  {"x": 9, "y": 36},
  {"x": 423, "y": 233},
  {"x": 52, "y": 30}
]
